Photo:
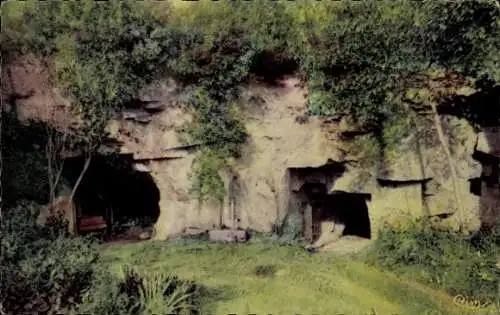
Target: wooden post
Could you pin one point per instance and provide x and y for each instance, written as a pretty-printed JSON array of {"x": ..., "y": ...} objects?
[{"x": 308, "y": 223}]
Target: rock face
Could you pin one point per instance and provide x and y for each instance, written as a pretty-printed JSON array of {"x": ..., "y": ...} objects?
[
  {"x": 287, "y": 149},
  {"x": 26, "y": 84},
  {"x": 283, "y": 153},
  {"x": 417, "y": 174},
  {"x": 276, "y": 144}
]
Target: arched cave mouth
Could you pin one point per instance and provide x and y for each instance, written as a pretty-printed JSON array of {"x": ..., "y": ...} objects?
[
  {"x": 351, "y": 208},
  {"x": 112, "y": 189}
]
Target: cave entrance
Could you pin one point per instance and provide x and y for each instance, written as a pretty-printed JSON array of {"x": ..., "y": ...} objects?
[
  {"x": 320, "y": 207},
  {"x": 114, "y": 197}
]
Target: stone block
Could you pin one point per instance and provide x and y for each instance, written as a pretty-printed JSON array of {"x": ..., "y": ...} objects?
[
  {"x": 228, "y": 236},
  {"x": 193, "y": 231}
]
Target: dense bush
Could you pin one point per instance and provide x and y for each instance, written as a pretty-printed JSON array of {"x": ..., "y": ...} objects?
[
  {"x": 442, "y": 257},
  {"x": 42, "y": 269}
]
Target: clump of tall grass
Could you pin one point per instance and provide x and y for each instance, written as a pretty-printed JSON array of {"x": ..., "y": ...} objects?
[{"x": 159, "y": 293}]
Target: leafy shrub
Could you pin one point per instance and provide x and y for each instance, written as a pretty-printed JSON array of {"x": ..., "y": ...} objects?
[
  {"x": 442, "y": 257},
  {"x": 44, "y": 270},
  {"x": 216, "y": 124},
  {"x": 105, "y": 296}
]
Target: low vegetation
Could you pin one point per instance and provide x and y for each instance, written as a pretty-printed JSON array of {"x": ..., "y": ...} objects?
[
  {"x": 44, "y": 270},
  {"x": 263, "y": 278},
  {"x": 443, "y": 258}
]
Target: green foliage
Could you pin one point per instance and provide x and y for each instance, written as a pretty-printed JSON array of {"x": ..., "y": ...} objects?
[
  {"x": 153, "y": 290},
  {"x": 217, "y": 128},
  {"x": 42, "y": 269},
  {"x": 105, "y": 296},
  {"x": 131, "y": 292},
  {"x": 441, "y": 257},
  {"x": 207, "y": 181},
  {"x": 464, "y": 36},
  {"x": 222, "y": 44},
  {"x": 216, "y": 125},
  {"x": 370, "y": 52},
  {"x": 102, "y": 53},
  {"x": 365, "y": 56}
]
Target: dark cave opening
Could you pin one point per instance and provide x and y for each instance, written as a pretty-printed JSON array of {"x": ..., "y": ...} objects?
[
  {"x": 270, "y": 67},
  {"x": 349, "y": 208},
  {"x": 113, "y": 190},
  {"x": 487, "y": 187}
]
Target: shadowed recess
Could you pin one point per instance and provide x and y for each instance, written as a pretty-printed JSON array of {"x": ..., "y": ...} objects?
[{"x": 113, "y": 189}]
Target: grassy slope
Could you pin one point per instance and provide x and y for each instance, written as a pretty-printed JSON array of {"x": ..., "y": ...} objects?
[{"x": 303, "y": 283}]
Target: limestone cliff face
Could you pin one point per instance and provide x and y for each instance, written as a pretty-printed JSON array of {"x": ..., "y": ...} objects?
[
  {"x": 277, "y": 142},
  {"x": 286, "y": 150},
  {"x": 281, "y": 142}
]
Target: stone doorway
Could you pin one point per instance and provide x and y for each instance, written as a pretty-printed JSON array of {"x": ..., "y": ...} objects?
[{"x": 320, "y": 208}]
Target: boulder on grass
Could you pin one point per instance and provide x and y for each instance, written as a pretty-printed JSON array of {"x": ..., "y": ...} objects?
[{"x": 228, "y": 236}]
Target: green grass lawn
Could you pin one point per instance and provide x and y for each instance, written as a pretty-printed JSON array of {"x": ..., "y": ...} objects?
[{"x": 291, "y": 282}]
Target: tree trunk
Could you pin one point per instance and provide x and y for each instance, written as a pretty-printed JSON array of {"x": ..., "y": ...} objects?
[
  {"x": 58, "y": 177},
  {"x": 54, "y": 167},
  {"x": 451, "y": 164},
  {"x": 80, "y": 177},
  {"x": 425, "y": 207},
  {"x": 48, "y": 154},
  {"x": 221, "y": 213},
  {"x": 72, "y": 195},
  {"x": 1, "y": 168}
]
